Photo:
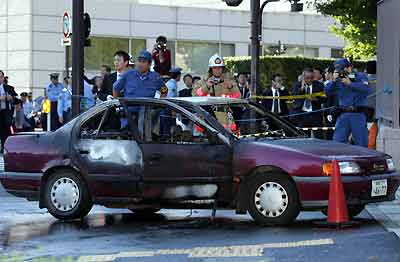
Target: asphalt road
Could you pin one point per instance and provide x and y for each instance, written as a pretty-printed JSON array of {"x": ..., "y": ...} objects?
[{"x": 30, "y": 234}]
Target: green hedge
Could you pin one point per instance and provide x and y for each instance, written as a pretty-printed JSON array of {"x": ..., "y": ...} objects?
[{"x": 289, "y": 67}]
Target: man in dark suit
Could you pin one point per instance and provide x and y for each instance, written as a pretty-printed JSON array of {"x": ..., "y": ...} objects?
[
  {"x": 7, "y": 97},
  {"x": 276, "y": 105},
  {"x": 121, "y": 63},
  {"x": 307, "y": 86}
]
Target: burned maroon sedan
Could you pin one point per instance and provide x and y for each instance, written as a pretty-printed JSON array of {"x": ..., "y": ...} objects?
[{"x": 217, "y": 153}]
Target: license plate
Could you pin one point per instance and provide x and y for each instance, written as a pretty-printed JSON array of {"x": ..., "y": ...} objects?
[{"x": 379, "y": 188}]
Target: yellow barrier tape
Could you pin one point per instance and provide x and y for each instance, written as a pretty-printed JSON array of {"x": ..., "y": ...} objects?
[{"x": 294, "y": 97}]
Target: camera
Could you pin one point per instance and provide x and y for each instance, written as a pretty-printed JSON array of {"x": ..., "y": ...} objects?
[
  {"x": 216, "y": 80},
  {"x": 162, "y": 46},
  {"x": 344, "y": 74}
]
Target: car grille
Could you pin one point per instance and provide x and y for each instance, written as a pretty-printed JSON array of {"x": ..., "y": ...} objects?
[{"x": 373, "y": 167}]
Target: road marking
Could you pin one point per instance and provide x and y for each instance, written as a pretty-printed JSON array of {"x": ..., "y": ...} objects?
[{"x": 209, "y": 252}]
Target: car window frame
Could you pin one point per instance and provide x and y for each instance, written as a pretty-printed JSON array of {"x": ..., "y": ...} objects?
[
  {"x": 88, "y": 115},
  {"x": 195, "y": 119}
]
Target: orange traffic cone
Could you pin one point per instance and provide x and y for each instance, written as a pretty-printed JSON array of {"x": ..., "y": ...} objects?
[
  {"x": 337, "y": 207},
  {"x": 338, "y": 215}
]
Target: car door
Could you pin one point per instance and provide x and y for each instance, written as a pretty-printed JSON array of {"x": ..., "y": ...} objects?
[
  {"x": 182, "y": 159},
  {"x": 109, "y": 153}
]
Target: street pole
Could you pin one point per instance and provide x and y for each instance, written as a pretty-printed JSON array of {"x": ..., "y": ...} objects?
[
  {"x": 78, "y": 41},
  {"x": 255, "y": 45},
  {"x": 67, "y": 65}
]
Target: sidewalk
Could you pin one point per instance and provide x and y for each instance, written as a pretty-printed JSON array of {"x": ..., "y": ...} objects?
[{"x": 387, "y": 214}]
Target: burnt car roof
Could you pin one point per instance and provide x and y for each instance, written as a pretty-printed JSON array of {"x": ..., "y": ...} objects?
[
  {"x": 200, "y": 101},
  {"x": 208, "y": 100}
]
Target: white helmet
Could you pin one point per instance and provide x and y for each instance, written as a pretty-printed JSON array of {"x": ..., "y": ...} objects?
[{"x": 216, "y": 61}]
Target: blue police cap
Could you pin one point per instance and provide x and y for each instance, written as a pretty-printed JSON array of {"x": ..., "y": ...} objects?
[
  {"x": 175, "y": 70},
  {"x": 341, "y": 63},
  {"x": 144, "y": 54}
]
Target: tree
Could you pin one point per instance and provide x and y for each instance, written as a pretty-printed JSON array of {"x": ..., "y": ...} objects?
[{"x": 356, "y": 23}]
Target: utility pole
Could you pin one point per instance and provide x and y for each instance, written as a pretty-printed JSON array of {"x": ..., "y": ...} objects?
[
  {"x": 255, "y": 45},
  {"x": 78, "y": 41}
]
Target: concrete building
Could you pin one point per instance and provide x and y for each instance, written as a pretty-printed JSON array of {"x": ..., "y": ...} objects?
[{"x": 31, "y": 33}]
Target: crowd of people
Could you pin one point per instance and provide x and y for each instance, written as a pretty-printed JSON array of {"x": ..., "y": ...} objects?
[{"x": 317, "y": 90}]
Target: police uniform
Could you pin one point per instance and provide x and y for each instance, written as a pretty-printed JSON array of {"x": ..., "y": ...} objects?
[
  {"x": 218, "y": 89},
  {"x": 53, "y": 92},
  {"x": 64, "y": 104},
  {"x": 172, "y": 84},
  {"x": 352, "y": 101},
  {"x": 135, "y": 84}
]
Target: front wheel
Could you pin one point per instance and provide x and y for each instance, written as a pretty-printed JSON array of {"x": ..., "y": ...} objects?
[
  {"x": 273, "y": 199},
  {"x": 66, "y": 196}
]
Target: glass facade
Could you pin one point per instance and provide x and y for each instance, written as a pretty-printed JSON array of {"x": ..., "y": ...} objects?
[
  {"x": 193, "y": 56},
  {"x": 102, "y": 49},
  {"x": 276, "y": 50},
  {"x": 337, "y": 53},
  {"x": 190, "y": 56}
]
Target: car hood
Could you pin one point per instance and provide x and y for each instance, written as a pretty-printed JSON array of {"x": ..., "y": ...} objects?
[{"x": 321, "y": 148}]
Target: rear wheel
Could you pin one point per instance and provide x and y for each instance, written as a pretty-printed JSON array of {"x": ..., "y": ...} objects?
[
  {"x": 66, "y": 196},
  {"x": 273, "y": 199}
]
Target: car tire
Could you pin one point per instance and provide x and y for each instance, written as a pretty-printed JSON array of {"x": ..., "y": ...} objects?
[
  {"x": 277, "y": 187},
  {"x": 144, "y": 211},
  {"x": 353, "y": 210},
  {"x": 67, "y": 196}
]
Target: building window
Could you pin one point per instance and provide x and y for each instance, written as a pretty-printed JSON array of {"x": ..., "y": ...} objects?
[
  {"x": 337, "y": 53},
  {"x": 277, "y": 50},
  {"x": 193, "y": 56},
  {"x": 102, "y": 51},
  {"x": 227, "y": 50},
  {"x": 136, "y": 46},
  {"x": 311, "y": 52}
]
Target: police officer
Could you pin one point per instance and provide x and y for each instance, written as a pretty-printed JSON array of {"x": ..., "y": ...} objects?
[
  {"x": 172, "y": 84},
  {"x": 53, "y": 91},
  {"x": 352, "y": 90},
  {"x": 64, "y": 105},
  {"x": 218, "y": 81}
]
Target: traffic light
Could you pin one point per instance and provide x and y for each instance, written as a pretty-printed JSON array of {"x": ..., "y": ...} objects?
[
  {"x": 87, "y": 28},
  {"x": 233, "y": 2},
  {"x": 296, "y": 6}
]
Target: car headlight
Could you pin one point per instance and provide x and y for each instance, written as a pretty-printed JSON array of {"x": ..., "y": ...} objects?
[
  {"x": 390, "y": 164},
  {"x": 346, "y": 168},
  {"x": 349, "y": 168}
]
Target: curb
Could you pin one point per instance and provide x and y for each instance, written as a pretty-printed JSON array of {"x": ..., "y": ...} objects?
[{"x": 389, "y": 224}]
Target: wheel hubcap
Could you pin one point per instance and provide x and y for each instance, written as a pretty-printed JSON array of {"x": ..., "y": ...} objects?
[
  {"x": 64, "y": 194},
  {"x": 271, "y": 199}
]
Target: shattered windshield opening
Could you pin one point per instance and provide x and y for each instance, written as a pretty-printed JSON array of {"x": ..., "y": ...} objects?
[{"x": 246, "y": 120}]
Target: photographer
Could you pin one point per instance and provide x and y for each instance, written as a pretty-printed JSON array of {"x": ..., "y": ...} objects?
[
  {"x": 352, "y": 91},
  {"x": 161, "y": 56},
  {"x": 218, "y": 82}
]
